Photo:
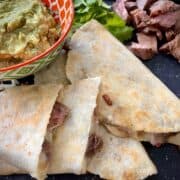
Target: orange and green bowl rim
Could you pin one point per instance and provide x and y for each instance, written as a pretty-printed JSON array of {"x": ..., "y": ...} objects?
[{"x": 45, "y": 53}]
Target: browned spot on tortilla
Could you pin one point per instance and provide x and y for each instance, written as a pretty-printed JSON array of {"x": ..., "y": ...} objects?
[
  {"x": 129, "y": 175},
  {"x": 135, "y": 94},
  {"x": 125, "y": 130},
  {"x": 107, "y": 99},
  {"x": 131, "y": 153},
  {"x": 166, "y": 117},
  {"x": 122, "y": 115},
  {"x": 29, "y": 153},
  {"x": 140, "y": 134},
  {"x": 115, "y": 130},
  {"x": 142, "y": 115},
  {"x": 178, "y": 113},
  {"x": 18, "y": 136}
]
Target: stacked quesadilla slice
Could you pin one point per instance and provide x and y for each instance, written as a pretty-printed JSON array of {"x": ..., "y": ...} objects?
[
  {"x": 29, "y": 117},
  {"x": 72, "y": 149},
  {"x": 132, "y": 102},
  {"x": 119, "y": 158},
  {"x": 93, "y": 124},
  {"x": 71, "y": 139}
]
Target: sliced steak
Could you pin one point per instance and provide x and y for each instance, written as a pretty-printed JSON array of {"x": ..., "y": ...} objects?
[
  {"x": 148, "y": 41},
  {"x": 146, "y": 47},
  {"x": 141, "y": 51},
  {"x": 95, "y": 144},
  {"x": 120, "y": 9},
  {"x": 172, "y": 47},
  {"x": 46, "y": 148},
  {"x": 177, "y": 25},
  {"x": 58, "y": 116},
  {"x": 170, "y": 34},
  {"x": 163, "y": 6},
  {"x": 143, "y": 4},
  {"x": 153, "y": 30},
  {"x": 165, "y": 21},
  {"x": 140, "y": 18},
  {"x": 130, "y": 5}
]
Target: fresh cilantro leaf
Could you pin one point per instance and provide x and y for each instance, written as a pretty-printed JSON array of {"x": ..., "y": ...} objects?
[{"x": 85, "y": 10}]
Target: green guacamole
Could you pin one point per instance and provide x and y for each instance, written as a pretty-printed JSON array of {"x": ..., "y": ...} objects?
[{"x": 26, "y": 29}]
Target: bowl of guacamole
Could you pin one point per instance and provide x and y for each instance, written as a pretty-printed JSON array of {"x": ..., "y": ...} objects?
[{"x": 31, "y": 34}]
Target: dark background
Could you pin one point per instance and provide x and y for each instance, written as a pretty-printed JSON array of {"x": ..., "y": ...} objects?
[{"x": 167, "y": 157}]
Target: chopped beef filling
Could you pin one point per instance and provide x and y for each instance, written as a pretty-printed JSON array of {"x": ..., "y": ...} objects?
[
  {"x": 58, "y": 116},
  {"x": 170, "y": 35},
  {"x": 144, "y": 4},
  {"x": 130, "y": 5},
  {"x": 107, "y": 99},
  {"x": 46, "y": 147},
  {"x": 140, "y": 18},
  {"x": 119, "y": 8},
  {"x": 160, "y": 18},
  {"x": 163, "y": 6},
  {"x": 177, "y": 25},
  {"x": 172, "y": 47},
  {"x": 95, "y": 144},
  {"x": 146, "y": 48},
  {"x": 151, "y": 30},
  {"x": 164, "y": 21}
]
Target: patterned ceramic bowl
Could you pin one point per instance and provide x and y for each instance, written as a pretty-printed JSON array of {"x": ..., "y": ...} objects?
[{"x": 63, "y": 12}]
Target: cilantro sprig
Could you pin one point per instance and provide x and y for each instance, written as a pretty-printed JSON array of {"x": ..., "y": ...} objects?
[{"x": 86, "y": 10}]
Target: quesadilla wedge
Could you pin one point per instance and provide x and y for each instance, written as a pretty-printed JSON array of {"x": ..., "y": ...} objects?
[
  {"x": 69, "y": 147},
  {"x": 69, "y": 142},
  {"x": 132, "y": 102},
  {"x": 29, "y": 117},
  {"x": 110, "y": 157},
  {"x": 118, "y": 158},
  {"x": 76, "y": 147},
  {"x": 54, "y": 72}
]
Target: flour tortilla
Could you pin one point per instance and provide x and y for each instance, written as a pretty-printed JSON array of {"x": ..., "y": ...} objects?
[
  {"x": 120, "y": 158},
  {"x": 25, "y": 113},
  {"x": 174, "y": 139},
  {"x": 141, "y": 103},
  {"x": 7, "y": 169},
  {"x": 71, "y": 139},
  {"x": 54, "y": 72},
  {"x": 68, "y": 150}
]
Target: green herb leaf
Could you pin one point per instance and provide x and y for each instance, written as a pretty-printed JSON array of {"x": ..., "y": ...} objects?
[{"x": 85, "y": 10}]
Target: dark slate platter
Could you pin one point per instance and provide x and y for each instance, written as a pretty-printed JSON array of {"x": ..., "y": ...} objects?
[{"x": 167, "y": 157}]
